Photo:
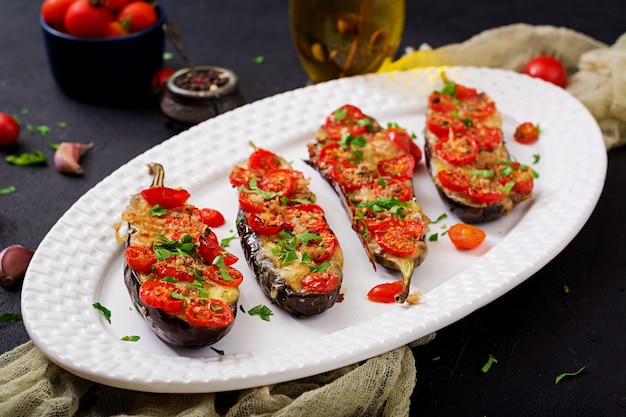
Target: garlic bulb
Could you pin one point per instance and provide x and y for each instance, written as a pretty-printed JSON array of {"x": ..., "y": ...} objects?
[
  {"x": 67, "y": 157},
  {"x": 13, "y": 263}
]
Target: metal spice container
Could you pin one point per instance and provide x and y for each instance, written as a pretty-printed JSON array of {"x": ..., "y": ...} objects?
[{"x": 192, "y": 96}]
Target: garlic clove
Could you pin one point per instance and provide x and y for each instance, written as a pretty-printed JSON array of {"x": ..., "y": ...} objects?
[
  {"x": 13, "y": 263},
  {"x": 67, "y": 157}
]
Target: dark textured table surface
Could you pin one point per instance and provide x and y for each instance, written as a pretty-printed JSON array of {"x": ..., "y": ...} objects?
[{"x": 536, "y": 331}]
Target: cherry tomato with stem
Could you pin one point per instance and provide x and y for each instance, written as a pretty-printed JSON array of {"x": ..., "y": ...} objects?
[
  {"x": 9, "y": 130},
  {"x": 548, "y": 68},
  {"x": 466, "y": 236},
  {"x": 158, "y": 294},
  {"x": 86, "y": 20},
  {"x": 209, "y": 313},
  {"x": 385, "y": 292},
  {"x": 137, "y": 16},
  {"x": 140, "y": 259}
]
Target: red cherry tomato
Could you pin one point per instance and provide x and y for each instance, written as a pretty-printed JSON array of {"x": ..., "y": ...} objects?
[
  {"x": 320, "y": 250},
  {"x": 350, "y": 176},
  {"x": 233, "y": 278},
  {"x": 526, "y": 133},
  {"x": 160, "y": 78},
  {"x": 240, "y": 176},
  {"x": 139, "y": 258},
  {"x": 278, "y": 181},
  {"x": 169, "y": 271},
  {"x": 484, "y": 195},
  {"x": 347, "y": 119},
  {"x": 458, "y": 150},
  {"x": 158, "y": 294},
  {"x": 304, "y": 217},
  {"x": 441, "y": 124},
  {"x": 320, "y": 282},
  {"x": 393, "y": 187},
  {"x": 487, "y": 138},
  {"x": 115, "y": 5},
  {"x": 209, "y": 249},
  {"x": 9, "y": 130},
  {"x": 85, "y": 20},
  {"x": 466, "y": 236},
  {"x": 464, "y": 93},
  {"x": 138, "y": 16},
  {"x": 400, "y": 166},
  {"x": 547, "y": 68},
  {"x": 453, "y": 180},
  {"x": 251, "y": 202},
  {"x": 385, "y": 292},
  {"x": 209, "y": 313},
  {"x": 441, "y": 103},
  {"x": 265, "y": 223},
  {"x": 262, "y": 161},
  {"x": 115, "y": 29},
  {"x": 165, "y": 197},
  {"x": 398, "y": 237},
  {"x": 53, "y": 12},
  {"x": 212, "y": 217}
]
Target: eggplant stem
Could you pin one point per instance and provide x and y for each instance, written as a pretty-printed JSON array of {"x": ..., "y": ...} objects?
[
  {"x": 158, "y": 172},
  {"x": 406, "y": 269}
]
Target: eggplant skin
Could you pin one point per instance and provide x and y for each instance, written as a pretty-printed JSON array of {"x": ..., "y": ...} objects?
[
  {"x": 469, "y": 214},
  {"x": 272, "y": 282},
  {"x": 169, "y": 328}
]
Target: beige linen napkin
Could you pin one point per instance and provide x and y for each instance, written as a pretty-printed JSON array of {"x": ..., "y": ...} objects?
[
  {"x": 31, "y": 385},
  {"x": 597, "y": 76}
]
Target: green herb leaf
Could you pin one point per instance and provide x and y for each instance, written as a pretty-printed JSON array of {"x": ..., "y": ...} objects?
[
  {"x": 35, "y": 158},
  {"x": 226, "y": 241},
  {"x": 10, "y": 317},
  {"x": 320, "y": 268},
  {"x": 565, "y": 288},
  {"x": 158, "y": 211},
  {"x": 490, "y": 361},
  {"x": 258, "y": 59},
  {"x": 105, "y": 311},
  {"x": 341, "y": 113},
  {"x": 440, "y": 218},
  {"x": 261, "y": 310},
  {"x": 168, "y": 56},
  {"x": 44, "y": 130},
  {"x": 536, "y": 159},
  {"x": 62, "y": 125},
  {"x": 130, "y": 338},
  {"x": 566, "y": 374},
  {"x": 434, "y": 237},
  {"x": 7, "y": 190},
  {"x": 218, "y": 351}
]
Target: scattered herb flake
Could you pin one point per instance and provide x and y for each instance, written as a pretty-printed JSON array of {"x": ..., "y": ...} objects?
[
  {"x": 62, "y": 125},
  {"x": 24, "y": 111},
  {"x": 242, "y": 309},
  {"x": 565, "y": 288},
  {"x": 566, "y": 374},
  {"x": 168, "y": 56},
  {"x": 436, "y": 358},
  {"x": 10, "y": 317},
  {"x": 130, "y": 338},
  {"x": 35, "y": 158},
  {"x": 226, "y": 241},
  {"x": 440, "y": 218},
  {"x": 536, "y": 159},
  {"x": 434, "y": 237},
  {"x": 44, "y": 130},
  {"x": 7, "y": 190},
  {"x": 258, "y": 59},
  {"x": 105, "y": 311},
  {"x": 490, "y": 361},
  {"x": 261, "y": 310},
  {"x": 218, "y": 351}
]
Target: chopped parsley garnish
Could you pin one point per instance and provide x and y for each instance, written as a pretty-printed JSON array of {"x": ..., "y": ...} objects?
[
  {"x": 219, "y": 262},
  {"x": 258, "y": 59},
  {"x": 165, "y": 248},
  {"x": 434, "y": 237},
  {"x": 490, "y": 361},
  {"x": 536, "y": 159},
  {"x": 218, "y": 351},
  {"x": 226, "y": 241},
  {"x": 10, "y": 317},
  {"x": 261, "y": 310},
  {"x": 35, "y": 158},
  {"x": 565, "y": 288},
  {"x": 7, "y": 190},
  {"x": 158, "y": 211},
  {"x": 105, "y": 311},
  {"x": 487, "y": 173},
  {"x": 440, "y": 218},
  {"x": 255, "y": 189},
  {"x": 44, "y": 130},
  {"x": 130, "y": 338},
  {"x": 385, "y": 203},
  {"x": 321, "y": 268},
  {"x": 341, "y": 113},
  {"x": 566, "y": 374}
]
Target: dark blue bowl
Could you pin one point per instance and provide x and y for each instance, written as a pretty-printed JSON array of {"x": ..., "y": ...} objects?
[{"x": 108, "y": 70}]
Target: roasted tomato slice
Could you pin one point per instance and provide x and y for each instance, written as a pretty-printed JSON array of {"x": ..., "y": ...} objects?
[
  {"x": 441, "y": 124},
  {"x": 240, "y": 176},
  {"x": 385, "y": 292},
  {"x": 320, "y": 250},
  {"x": 487, "y": 138},
  {"x": 140, "y": 259},
  {"x": 251, "y": 202},
  {"x": 350, "y": 176},
  {"x": 265, "y": 223},
  {"x": 209, "y": 249},
  {"x": 320, "y": 282},
  {"x": 158, "y": 294},
  {"x": 441, "y": 102},
  {"x": 484, "y": 195},
  {"x": 400, "y": 166},
  {"x": 163, "y": 271},
  {"x": 464, "y": 93},
  {"x": 392, "y": 187},
  {"x": 453, "y": 180},
  {"x": 209, "y": 313},
  {"x": 404, "y": 142},
  {"x": 229, "y": 277},
  {"x": 212, "y": 217},
  {"x": 301, "y": 217},
  {"x": 347, "y": 119},
  {"x": 278, "y": 181},
  {"x": 262, "y": 161},
  {"x": 457, "y": 150},
  {"x": 165, "y": 197},
  {"x": 479, "y": 107},
  {"x": 399, "y": 237}
]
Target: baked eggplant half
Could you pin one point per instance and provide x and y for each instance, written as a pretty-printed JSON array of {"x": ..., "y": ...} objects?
[
  {"x": 467, "y": 158},
  {"x": 178, "y": 276},
  {"x": 371, "y": 169},
  {"x": 287, "y": 242}
]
